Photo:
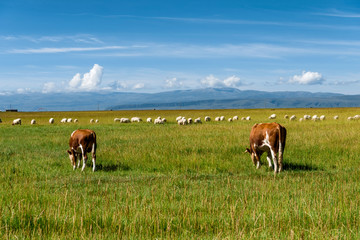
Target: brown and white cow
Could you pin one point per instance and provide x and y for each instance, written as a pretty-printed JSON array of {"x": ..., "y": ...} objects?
[
  {"x": 82, "y": 141},
  {"x": 269, "y": 138}
]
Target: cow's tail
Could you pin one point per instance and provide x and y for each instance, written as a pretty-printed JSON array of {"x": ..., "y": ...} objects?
[{"x": 282, "y": 140}]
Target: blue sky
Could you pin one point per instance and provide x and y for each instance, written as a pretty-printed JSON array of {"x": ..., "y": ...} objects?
[{"x": 153, "y": 46}]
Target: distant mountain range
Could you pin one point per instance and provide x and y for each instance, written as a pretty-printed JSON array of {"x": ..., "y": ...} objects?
[{"x": 207, "y": 98}]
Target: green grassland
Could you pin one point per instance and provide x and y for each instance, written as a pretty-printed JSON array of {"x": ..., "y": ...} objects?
[{"x": 179, "y": 182}]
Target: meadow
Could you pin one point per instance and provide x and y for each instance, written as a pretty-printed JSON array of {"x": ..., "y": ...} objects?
[{"x": 179, "y": 182}]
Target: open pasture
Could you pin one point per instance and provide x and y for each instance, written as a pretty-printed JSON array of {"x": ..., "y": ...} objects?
[{"x": 180, "y": 182}]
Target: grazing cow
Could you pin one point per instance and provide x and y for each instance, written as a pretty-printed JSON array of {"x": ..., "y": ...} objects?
[
  {"x": 82, "y": 141},
  {"x": 269, "y": 138},
  {"x": 16, "y": 121},
  {"x": 51, "y": 120}
]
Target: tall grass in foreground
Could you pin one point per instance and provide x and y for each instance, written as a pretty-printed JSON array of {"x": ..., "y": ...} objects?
[{"x": 180, "y": 182}]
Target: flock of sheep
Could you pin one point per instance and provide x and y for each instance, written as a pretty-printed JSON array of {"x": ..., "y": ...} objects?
[{"x": 181, "y": 120}]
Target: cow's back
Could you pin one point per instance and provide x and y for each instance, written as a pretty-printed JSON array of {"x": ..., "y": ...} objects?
[{"x": 85, "y": 137}]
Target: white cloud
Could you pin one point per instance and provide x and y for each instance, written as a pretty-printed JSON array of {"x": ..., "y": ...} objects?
[
  {"x": 90, "y": 81},
  {"x": 307, "y": 78},
  {"x": 24, "y": 90},
  {"x": 49, "y": 87},
  {"x": 139, "y": 86},
  {"x": 173, "y": 83},
  {"x": 212, "y": 81}
]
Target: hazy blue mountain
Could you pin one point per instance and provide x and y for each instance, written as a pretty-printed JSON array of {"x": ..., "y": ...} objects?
[{"x": 207, "y": 98}]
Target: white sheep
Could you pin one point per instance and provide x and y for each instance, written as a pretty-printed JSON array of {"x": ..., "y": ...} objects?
[
  {"x": 315, "y": 118},
  {"x": 350, "y": 118},
  {"x": 272, "y": 116},
  {"x": 230, "y": 119},
  {"x": 63, "y": 120},
  {"x": 124, "y": 120},
  {"x": 235, "y": 118},
  {"x": 322, "y": 117},
  {"x": 163, "y": 120},
  {"x": 286, "y": 116},
  {"x": 92, "y": 120},
  {"x": 301, "y": 119},
  {"x": 222, "y": 118},
  {"x": 96, "y": 120},
  {"x": 292, "y": 118},
  {"x": 69, "y": 120},
  {"x": 336, "y": 117},
  {"x": 178, "y": 118},
  {"x": 149, "y": 120},
  {"x": 136, "y": 119},
  {"x": 33, "y": 121},
  {"x": 75, "y": 120},
  {"x": 189, "y": 121},
  {"x": 248, "y": 118},
  {"x": 243, "y": 118},
  {"x": 182, "y": 121},
  {"x": 217, "y": 119},
  {"x": 51, "y": 120},
  {"x": 117, "y": 119},
  {"x": 16, "y": 121},
  {"x": 307, "y": 117},
  {"x": 207, "y": 119},
  {"x": 197, "y": 120},
  {"x": 158, "y": 121}
]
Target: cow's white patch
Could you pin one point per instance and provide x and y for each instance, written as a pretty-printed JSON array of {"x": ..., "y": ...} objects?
[{"x": 73, "y": 133}]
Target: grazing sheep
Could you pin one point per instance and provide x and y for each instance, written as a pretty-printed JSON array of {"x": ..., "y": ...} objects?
[
  {"x": 136, "y": 119},
  {"x": 292, "y": 118},
  {"x": 286, "y": 116},
  {"x": 33, "y": 121},
  {"x": 182, "y": 121},
  {"x": 64, "y": 120},
  {"x": 207, "y": 119},
  {"x": 350, "y": 118},
  {"x": 248, "y": 118},
  {"x": 235, "y": 118},
  {"x": 158, "y": 121},
  {"x": 96, "y": 120},
  {"x": 336, "y": 117},
  {"x": 322, "y": 117},
  {"x": 69, "y": 120},
  {"x": 217, "y": 119},
  {"x": 92, "y": 120},
  {"x": 117, "y": 119},
  {"x": 149, "y": 120},
  {"x": 164, "y": 120},
  {"x": 356, "y": 117},
  {"x": 178, "y": 118},
  {"x": 315, "y": 118},
  {"x": 301, "y": 119},
  {"x": 16, "y": 121},
  {"x": 307, "y": 117},
  {"x": 272, "y": 116},
  {"x": 230, "y": 120},
  {"x": 222, "y": 118},
  {"x": 124, "y": 120},
  {"x": 189, "y": 121},
  {"x": 51, "y": 121},
  {"x": 75, "y": 120},
  {"x": 243, "y": 118},
  {"x": 197, "y": 120}
]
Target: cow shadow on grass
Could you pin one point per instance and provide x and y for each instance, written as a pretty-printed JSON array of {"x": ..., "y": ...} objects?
[
  {"x": 112, "y": 167},
  {"x": 300, "y": 167}
]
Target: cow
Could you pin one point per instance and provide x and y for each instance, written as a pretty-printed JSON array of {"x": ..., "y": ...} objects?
[
  {"x": 269, "y": 138},
  {"x": 82, "y": 141}
]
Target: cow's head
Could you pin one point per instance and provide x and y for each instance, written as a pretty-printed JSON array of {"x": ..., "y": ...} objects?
[{"x": 72, "y": 156}]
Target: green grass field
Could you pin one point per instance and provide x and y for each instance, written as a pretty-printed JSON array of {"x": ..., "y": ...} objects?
[{"x": 180, "y": 182}]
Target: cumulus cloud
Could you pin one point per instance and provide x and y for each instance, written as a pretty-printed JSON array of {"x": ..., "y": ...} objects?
[
  {"x": 49, "y": 87},
  {"x": 173, "y": 83},
  {"x": 212, "y": 81},
  {"x": 90, "y": 81},
  {"x": 139, "y": 86},
  {"x": 307, "y": 78}
]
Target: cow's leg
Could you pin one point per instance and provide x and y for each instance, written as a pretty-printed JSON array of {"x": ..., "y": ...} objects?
[
  {"x": 84, "y": 162},
  {"x": 83, "y": 154},
  {"x": 269, "y": 159},
  {"x": 273, "y": 155},
  {"x": 93, "y": 156},
  {"x": 257, "y": 159}
]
